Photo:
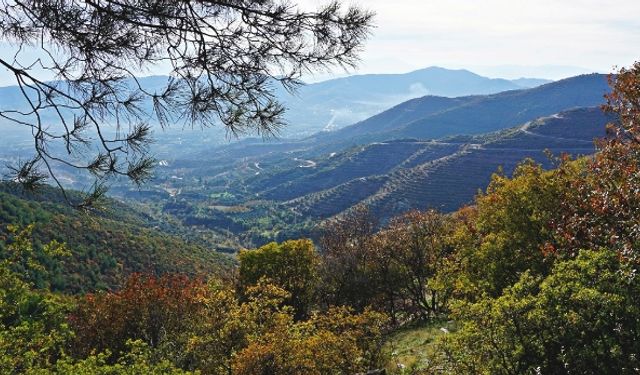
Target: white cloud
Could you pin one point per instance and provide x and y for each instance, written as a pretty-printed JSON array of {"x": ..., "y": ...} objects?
[
  {"x": 594, "y": 34},
  {"x": 548, "y": 37}
]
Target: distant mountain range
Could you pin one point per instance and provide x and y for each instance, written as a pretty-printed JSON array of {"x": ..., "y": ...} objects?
[
  {"x": 432, "y": 117},
  {"x": 339, "y": 102}
]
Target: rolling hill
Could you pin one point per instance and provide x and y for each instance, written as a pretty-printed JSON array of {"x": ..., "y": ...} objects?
[
  {"x": 339, "y": 102},
  {"x": 426, "y": 152},
  {"x": 107, "y": 245},
  {"x": 436, "y": 117},
  {"x": 425, "y": 118}
]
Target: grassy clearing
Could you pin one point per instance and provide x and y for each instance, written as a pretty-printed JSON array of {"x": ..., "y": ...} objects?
[{"x": 412, "y": 347}]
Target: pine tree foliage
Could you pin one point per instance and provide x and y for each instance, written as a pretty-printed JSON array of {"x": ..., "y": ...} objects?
[{"x": 223, "y": 57}]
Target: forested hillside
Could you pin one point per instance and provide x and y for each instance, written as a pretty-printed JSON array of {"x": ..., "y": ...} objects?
[{"x": 105, "y": 246}]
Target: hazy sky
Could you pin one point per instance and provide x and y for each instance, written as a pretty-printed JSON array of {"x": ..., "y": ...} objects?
[
  {"x": 502, "y": 37},
  {"x": 499, "y": 38}
]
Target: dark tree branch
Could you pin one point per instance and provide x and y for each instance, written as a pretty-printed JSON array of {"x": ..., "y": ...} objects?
[{"x": 224, "y": 57}]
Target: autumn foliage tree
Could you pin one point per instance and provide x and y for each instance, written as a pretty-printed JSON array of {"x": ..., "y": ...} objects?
[
  {"x": 336, "y": 342},
  {"x": 155, "y": 310},
  {"x": 603, "y": 212},
  {"x": 210, "y": 327},
  {"x": 292, "y": 265},
  {"x": 510, "y": 229},
  {"x": 392, "y": 270}
]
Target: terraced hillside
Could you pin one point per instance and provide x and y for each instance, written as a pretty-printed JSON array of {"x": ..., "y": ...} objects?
[
  {"x": 376, "y": 158},
  {"x": 442, "y": 174}
]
